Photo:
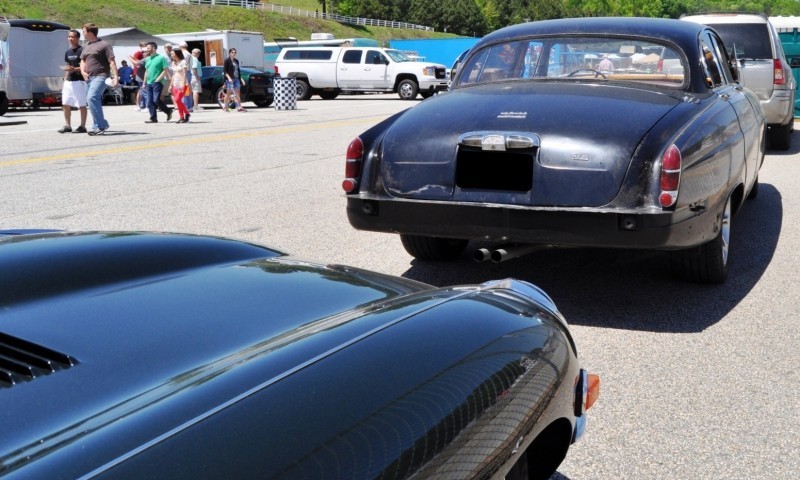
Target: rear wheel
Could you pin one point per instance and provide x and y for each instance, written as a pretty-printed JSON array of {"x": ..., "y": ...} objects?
[
  {"x": 780, "y": 136},
  {"x": 221, "y": 99},
  {"x": 303, "y": 89},
  {"x": 407, "y": 89},
  {"x": 264, "y": 103},
  {"x": 707, "y": 263},
  {"x": 433, "y": 248}
]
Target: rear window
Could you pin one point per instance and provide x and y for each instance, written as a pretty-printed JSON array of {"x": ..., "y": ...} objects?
[
  {"x": 746, "y": 40},
  {"x": 576, "y": 58},
  {"x": 307, "y": 55}
]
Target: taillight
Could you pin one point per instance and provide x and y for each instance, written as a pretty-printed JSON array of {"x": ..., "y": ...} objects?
[
  {"x": 660, "y": 66},
  {"x": 277, "y": 74},
  {"x": 670, "y": 176},
  {"x": 778, "y": 72},
  {"x": 352, "y": 169}
]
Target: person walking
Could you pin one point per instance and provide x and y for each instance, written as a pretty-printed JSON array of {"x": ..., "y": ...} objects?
[
  {"x": 179, "y": 86},
  {"x": 97, "y": 63},
  {"x": 233, "y": 81},
  {"x": 196, "y": 84},
  {"x": 73, "y": 93},
  {"x": 137, "y": 61},
  {"x": 155, "y": 71},
  {"x": 188, "y": 100}
]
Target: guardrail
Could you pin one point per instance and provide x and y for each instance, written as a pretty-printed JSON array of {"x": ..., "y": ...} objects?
[{"x": 305, "y": 13}]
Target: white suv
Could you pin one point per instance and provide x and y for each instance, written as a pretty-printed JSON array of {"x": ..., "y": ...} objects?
[{"x": 754, "y": 43}]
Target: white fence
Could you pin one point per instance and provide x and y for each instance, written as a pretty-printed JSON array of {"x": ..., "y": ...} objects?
[{"x": 304, "y": 13}]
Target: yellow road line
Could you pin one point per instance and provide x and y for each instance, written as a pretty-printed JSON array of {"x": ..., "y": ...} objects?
[{"x": 193, "y": 140}]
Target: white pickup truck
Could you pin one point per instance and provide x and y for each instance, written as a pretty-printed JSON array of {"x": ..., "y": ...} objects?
[{"x": 329, "y": 71}]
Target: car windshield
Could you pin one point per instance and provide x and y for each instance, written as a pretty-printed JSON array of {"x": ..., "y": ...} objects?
[
  {"x": 398, "y": 56},
  {"x": 576, "y": 58}
]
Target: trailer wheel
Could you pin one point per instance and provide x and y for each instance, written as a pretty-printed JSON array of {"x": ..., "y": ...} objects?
[{"x": 3, "y": 103}]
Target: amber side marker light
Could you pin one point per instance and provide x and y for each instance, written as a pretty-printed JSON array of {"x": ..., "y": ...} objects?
[{"x": 593, "y": 390}]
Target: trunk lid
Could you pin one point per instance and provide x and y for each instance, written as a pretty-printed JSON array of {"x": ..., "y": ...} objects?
[{"x": 537, "y": 144}]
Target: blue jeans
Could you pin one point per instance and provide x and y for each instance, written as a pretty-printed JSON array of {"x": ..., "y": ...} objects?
[
  {"x": 94, "y": 100},
  {"x": 142, "y": 95},
  {"x": 154, "y": 100}
]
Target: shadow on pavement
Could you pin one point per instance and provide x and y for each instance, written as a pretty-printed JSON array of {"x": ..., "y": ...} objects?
[{"x": 631, "y": 289}]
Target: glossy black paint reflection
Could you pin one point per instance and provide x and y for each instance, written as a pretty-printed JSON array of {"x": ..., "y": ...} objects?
[{"x": 206, "y": 357}]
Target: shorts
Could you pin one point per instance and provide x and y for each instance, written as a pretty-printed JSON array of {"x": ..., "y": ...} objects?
[
  {"x": 196, "y": 87},
  {"x": 233, "y": 84},
  {"x": 74, "y": 93}
]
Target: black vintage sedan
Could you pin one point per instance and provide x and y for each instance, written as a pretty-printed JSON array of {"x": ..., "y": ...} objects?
[
  {"x": 141, "y": 355},
  {"x": 257, "y": 87},
  {"x": 601, "y": 132}
]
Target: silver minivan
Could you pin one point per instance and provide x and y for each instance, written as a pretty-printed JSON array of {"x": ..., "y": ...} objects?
[{"x": 754, "y": 43}]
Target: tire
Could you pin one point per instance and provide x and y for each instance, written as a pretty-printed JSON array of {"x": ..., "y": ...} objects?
[
  {"x": 221, "y": 98},
  {"x": 707, "y": 263},
  {"x": 425, "y": 95},
  {"x": 407, "y": 89},
  {"x": 3, "y": 104},
  {"x": 329, "y": 94},
  {"x": 433, "y": 248},
  {"x": 303, "y": 89},
  {"x": 780, "y": 136},
  {"x": 265, "y": 103}
]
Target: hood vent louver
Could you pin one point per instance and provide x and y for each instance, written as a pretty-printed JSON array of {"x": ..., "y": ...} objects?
[{"x": 21, "y": 360}]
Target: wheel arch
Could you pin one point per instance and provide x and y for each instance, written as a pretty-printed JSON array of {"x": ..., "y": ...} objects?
[{"x": 404, "y": 76}]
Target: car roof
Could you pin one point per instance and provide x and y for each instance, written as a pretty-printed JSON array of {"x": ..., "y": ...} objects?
[
  {"x": 728, "y": 18},
  {"x": 659, "y": 28}
]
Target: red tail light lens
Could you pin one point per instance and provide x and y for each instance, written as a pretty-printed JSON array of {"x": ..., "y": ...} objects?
[
  {"x": 660, "y": 65},
  {"x": 670, "y": 176},
  {"x": 352, "y": 169},
  {"x": 277, "y": 73},
  {"x": 779, "y": 73}
]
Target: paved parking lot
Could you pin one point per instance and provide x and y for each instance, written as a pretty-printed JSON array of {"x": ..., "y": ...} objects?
[{"x": 698, "y": 381}]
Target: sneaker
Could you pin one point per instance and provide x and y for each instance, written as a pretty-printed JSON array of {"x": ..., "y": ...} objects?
[
  {"x": 187, "y": 118},
  {"x": 79, "y": 130},
  {"x": 65, "y": 129},
  {"x": 169, "y": 115},
  {"x": 152, "y": 120},
  {"x": 241, "y": 109},
  {"x": 97, "y": 131}
]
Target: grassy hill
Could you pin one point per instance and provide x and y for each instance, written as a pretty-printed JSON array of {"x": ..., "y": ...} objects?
[{"x": 155, "y": 17}]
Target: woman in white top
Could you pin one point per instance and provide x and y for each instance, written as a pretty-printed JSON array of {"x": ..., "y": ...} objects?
[{"x": 179, "y": 84}]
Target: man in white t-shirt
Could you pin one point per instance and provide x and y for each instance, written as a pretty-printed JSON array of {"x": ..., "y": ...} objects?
[{"x": 197, "y": 76}]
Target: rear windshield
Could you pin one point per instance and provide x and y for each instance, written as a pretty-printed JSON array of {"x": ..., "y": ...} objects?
[
  {"x": 747, "y": 40},
  {"x": 591, "y": 58}
]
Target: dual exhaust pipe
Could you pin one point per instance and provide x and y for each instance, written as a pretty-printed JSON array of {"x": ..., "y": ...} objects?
[{"x": 505, "y": 252}]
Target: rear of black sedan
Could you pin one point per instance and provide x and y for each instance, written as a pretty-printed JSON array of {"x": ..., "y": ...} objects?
[
  {"x": 576, "y": 132},
  {"x": 138, "y": 355}
]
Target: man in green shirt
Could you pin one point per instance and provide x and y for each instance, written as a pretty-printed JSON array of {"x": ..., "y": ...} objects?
[{"x": 156, "y": 69}]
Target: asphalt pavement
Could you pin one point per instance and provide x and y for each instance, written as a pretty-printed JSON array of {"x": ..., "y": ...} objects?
[{"x": 698, "y": 382}]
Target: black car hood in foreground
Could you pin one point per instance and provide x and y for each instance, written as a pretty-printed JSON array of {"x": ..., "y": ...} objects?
[
  {"x": 183, "y": 356},
  {"x": 588, "y": 134}
]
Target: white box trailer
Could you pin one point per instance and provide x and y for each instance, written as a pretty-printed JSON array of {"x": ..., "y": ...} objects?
[
  {"x": 31, "y": 57},
  {"x": 214, "y": 46}
]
